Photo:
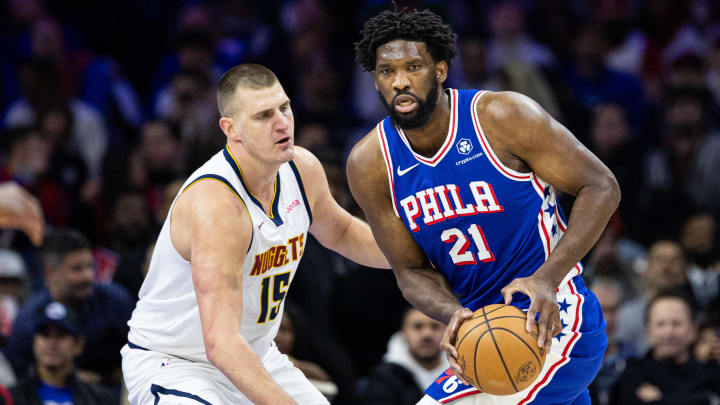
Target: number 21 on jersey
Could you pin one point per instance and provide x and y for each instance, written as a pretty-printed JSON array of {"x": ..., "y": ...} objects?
[{"x": 460, "y": 253}]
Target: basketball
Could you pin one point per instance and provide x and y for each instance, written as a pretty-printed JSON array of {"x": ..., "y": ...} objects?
[{"x": 496, "y": 353}]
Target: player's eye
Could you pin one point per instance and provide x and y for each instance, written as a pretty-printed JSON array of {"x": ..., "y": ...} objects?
[{"x": 414, "y": 68}]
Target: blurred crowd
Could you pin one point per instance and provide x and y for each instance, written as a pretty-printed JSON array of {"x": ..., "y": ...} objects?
[{"x": 106, "y": 107}]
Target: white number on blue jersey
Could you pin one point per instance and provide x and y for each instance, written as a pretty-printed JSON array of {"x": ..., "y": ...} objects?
[{"x": 459, "y": 252}]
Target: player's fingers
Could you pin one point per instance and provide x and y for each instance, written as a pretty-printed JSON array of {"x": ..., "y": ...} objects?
[
  {"x": 457, "y": 370},
  {"x": 448, "y": 348},
  {"x": 508, "y": 292},
  {"x": 543, "y": 329},
  {"x": 35, "y": 230}
]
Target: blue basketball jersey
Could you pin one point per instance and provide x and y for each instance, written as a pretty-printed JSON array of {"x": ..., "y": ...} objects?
[{"x": 480, "y": 223}]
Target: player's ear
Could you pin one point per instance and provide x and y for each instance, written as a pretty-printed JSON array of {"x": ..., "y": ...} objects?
[
  {"x": 441, "y": 71},
  {"x": 228, "y": 127}
]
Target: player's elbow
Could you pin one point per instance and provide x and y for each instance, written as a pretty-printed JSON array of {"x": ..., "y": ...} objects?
[
  {"x": 212, "y": 349},
  {"x": 609, "y": 188}
]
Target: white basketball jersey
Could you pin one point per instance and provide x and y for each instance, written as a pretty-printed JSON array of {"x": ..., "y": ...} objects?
[{"x": 167, "y": 318}]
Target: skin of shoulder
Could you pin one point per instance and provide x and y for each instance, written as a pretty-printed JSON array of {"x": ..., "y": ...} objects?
[
  {"x": 209, "y": 207},
  {"x": 526, "y": 138},
  {"x": 368, "y": 180}
]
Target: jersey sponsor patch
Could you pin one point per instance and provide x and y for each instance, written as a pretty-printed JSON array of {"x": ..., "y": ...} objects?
[
  {"x": 464, "y": 146},
  {"x": 447, "y": 388}
]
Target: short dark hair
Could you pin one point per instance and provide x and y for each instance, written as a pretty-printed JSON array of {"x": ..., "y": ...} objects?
[
  {"x": 410, "y": 25},
  {"x": 61, "y": 242},
  {"x": 671, "y": 294},
  {"x": 248, "y": 75}
]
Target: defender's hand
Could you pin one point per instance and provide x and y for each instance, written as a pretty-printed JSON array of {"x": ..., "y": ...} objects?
[
  {"x": 447, "y": 344},
  {"x": 542, "y": 300}
]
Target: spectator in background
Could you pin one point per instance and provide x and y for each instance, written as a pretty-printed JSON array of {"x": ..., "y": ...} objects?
[
  {"x": 712, "y": 76},
  {"x": 40, "y": 82},
  {"x": 162, "y": 152},
  {"x": 610, "y": 296},
  {"x": 317, "y": 355},
  {"x": 680, "y": 176},
  {"x": 471, "y": 70},
  {"x": 285, "y": 341},
  {"x": 190, "y": 108},
  {"x": 412, "y": 362},
  {"x": 130, "y": 229},
  {"x": 13, "y": 278},
  {"x": 707, "y": 345},
  {"x": 591, "y": 81},
  {"x": 195, "y": 53},
  {"x": 697, "y": 238},
  {"x": 103, "y": 309},
  {"x": 27, "y": 164},
  {"x": 56, "y": 342},
  {"x": 613, "y": 142},
  {"x": 509, "y": 41},
  {"x": 669, "y": 374},
  {"x": 666, "y": 270},
  {"x": 524, "y": 78}
]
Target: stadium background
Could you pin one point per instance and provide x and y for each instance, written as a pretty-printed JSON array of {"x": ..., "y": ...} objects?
[{"x": 107, "y": 106}]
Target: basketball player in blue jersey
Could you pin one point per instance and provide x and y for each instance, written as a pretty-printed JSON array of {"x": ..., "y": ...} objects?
[
  {"x": 212, "y": 301},
  {"x": 459, "y": 188}
]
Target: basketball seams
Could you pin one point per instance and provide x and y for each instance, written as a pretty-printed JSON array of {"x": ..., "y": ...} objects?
[
  {"x": 497, "y": 348},
  {"x": 540, "y": 363},
  {"x": 513, "y": 321}
]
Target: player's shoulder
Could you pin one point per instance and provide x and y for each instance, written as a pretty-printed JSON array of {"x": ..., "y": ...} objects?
[
  {"x": 310, "y": 168},
  {"x": 365, "y": 154},
  {"x": 508, "y": 107},
  {"x": 305, "y": 161},
  {"x": 208, "y": 196}
]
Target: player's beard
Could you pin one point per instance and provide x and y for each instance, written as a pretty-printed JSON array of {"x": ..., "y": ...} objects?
[{"x": 424, "y": 110}]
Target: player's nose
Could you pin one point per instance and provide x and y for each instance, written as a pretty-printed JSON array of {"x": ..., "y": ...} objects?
[
  {"x": 282, "y": 122},
  {"x": 401, "y": 81}
]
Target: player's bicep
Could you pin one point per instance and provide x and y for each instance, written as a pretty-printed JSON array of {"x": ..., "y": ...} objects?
[
  {"x": 221, "y": 232},
  {"x": 550, "y": 149},
  {"x": 369, "y": 186}
]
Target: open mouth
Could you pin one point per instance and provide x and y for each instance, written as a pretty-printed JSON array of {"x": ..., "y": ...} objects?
[
  {"x": 405, "y": 103},
  {"x": 283, "y": 141}
]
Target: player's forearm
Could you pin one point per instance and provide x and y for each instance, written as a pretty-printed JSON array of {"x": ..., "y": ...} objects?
[
  {"x": 427, "y": 290},
  {"x": 591, "y": 211},
  {"x": 239, "y": 363},
  {"x": 360, "y": 246}
]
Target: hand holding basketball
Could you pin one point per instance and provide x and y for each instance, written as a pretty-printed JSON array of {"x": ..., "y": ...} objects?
[
  {"x": 447, "y": 344},
  {"x": 542, "y": 300},
  {"x": 496, "y": 353}
]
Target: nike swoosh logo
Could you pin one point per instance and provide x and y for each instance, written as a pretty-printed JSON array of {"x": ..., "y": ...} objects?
[{"x": 401, "y": 172}]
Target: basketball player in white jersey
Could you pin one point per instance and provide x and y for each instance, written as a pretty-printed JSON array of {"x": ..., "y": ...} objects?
[{"x": 211, "y": 304}]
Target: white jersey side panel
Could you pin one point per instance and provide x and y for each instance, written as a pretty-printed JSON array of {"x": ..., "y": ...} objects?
[{"x": 167, "y": 318}]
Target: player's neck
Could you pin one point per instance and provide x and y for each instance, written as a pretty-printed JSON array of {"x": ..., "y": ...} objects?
[
  {"x": 428, "y": 139},
  {"x": 259, "y": 176}
]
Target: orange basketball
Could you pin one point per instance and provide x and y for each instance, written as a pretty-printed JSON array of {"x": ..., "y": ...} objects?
[{"x": 496, "y": 353}]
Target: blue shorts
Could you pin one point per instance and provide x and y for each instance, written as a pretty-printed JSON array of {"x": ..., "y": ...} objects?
[{"x": 570, "y": 366}]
